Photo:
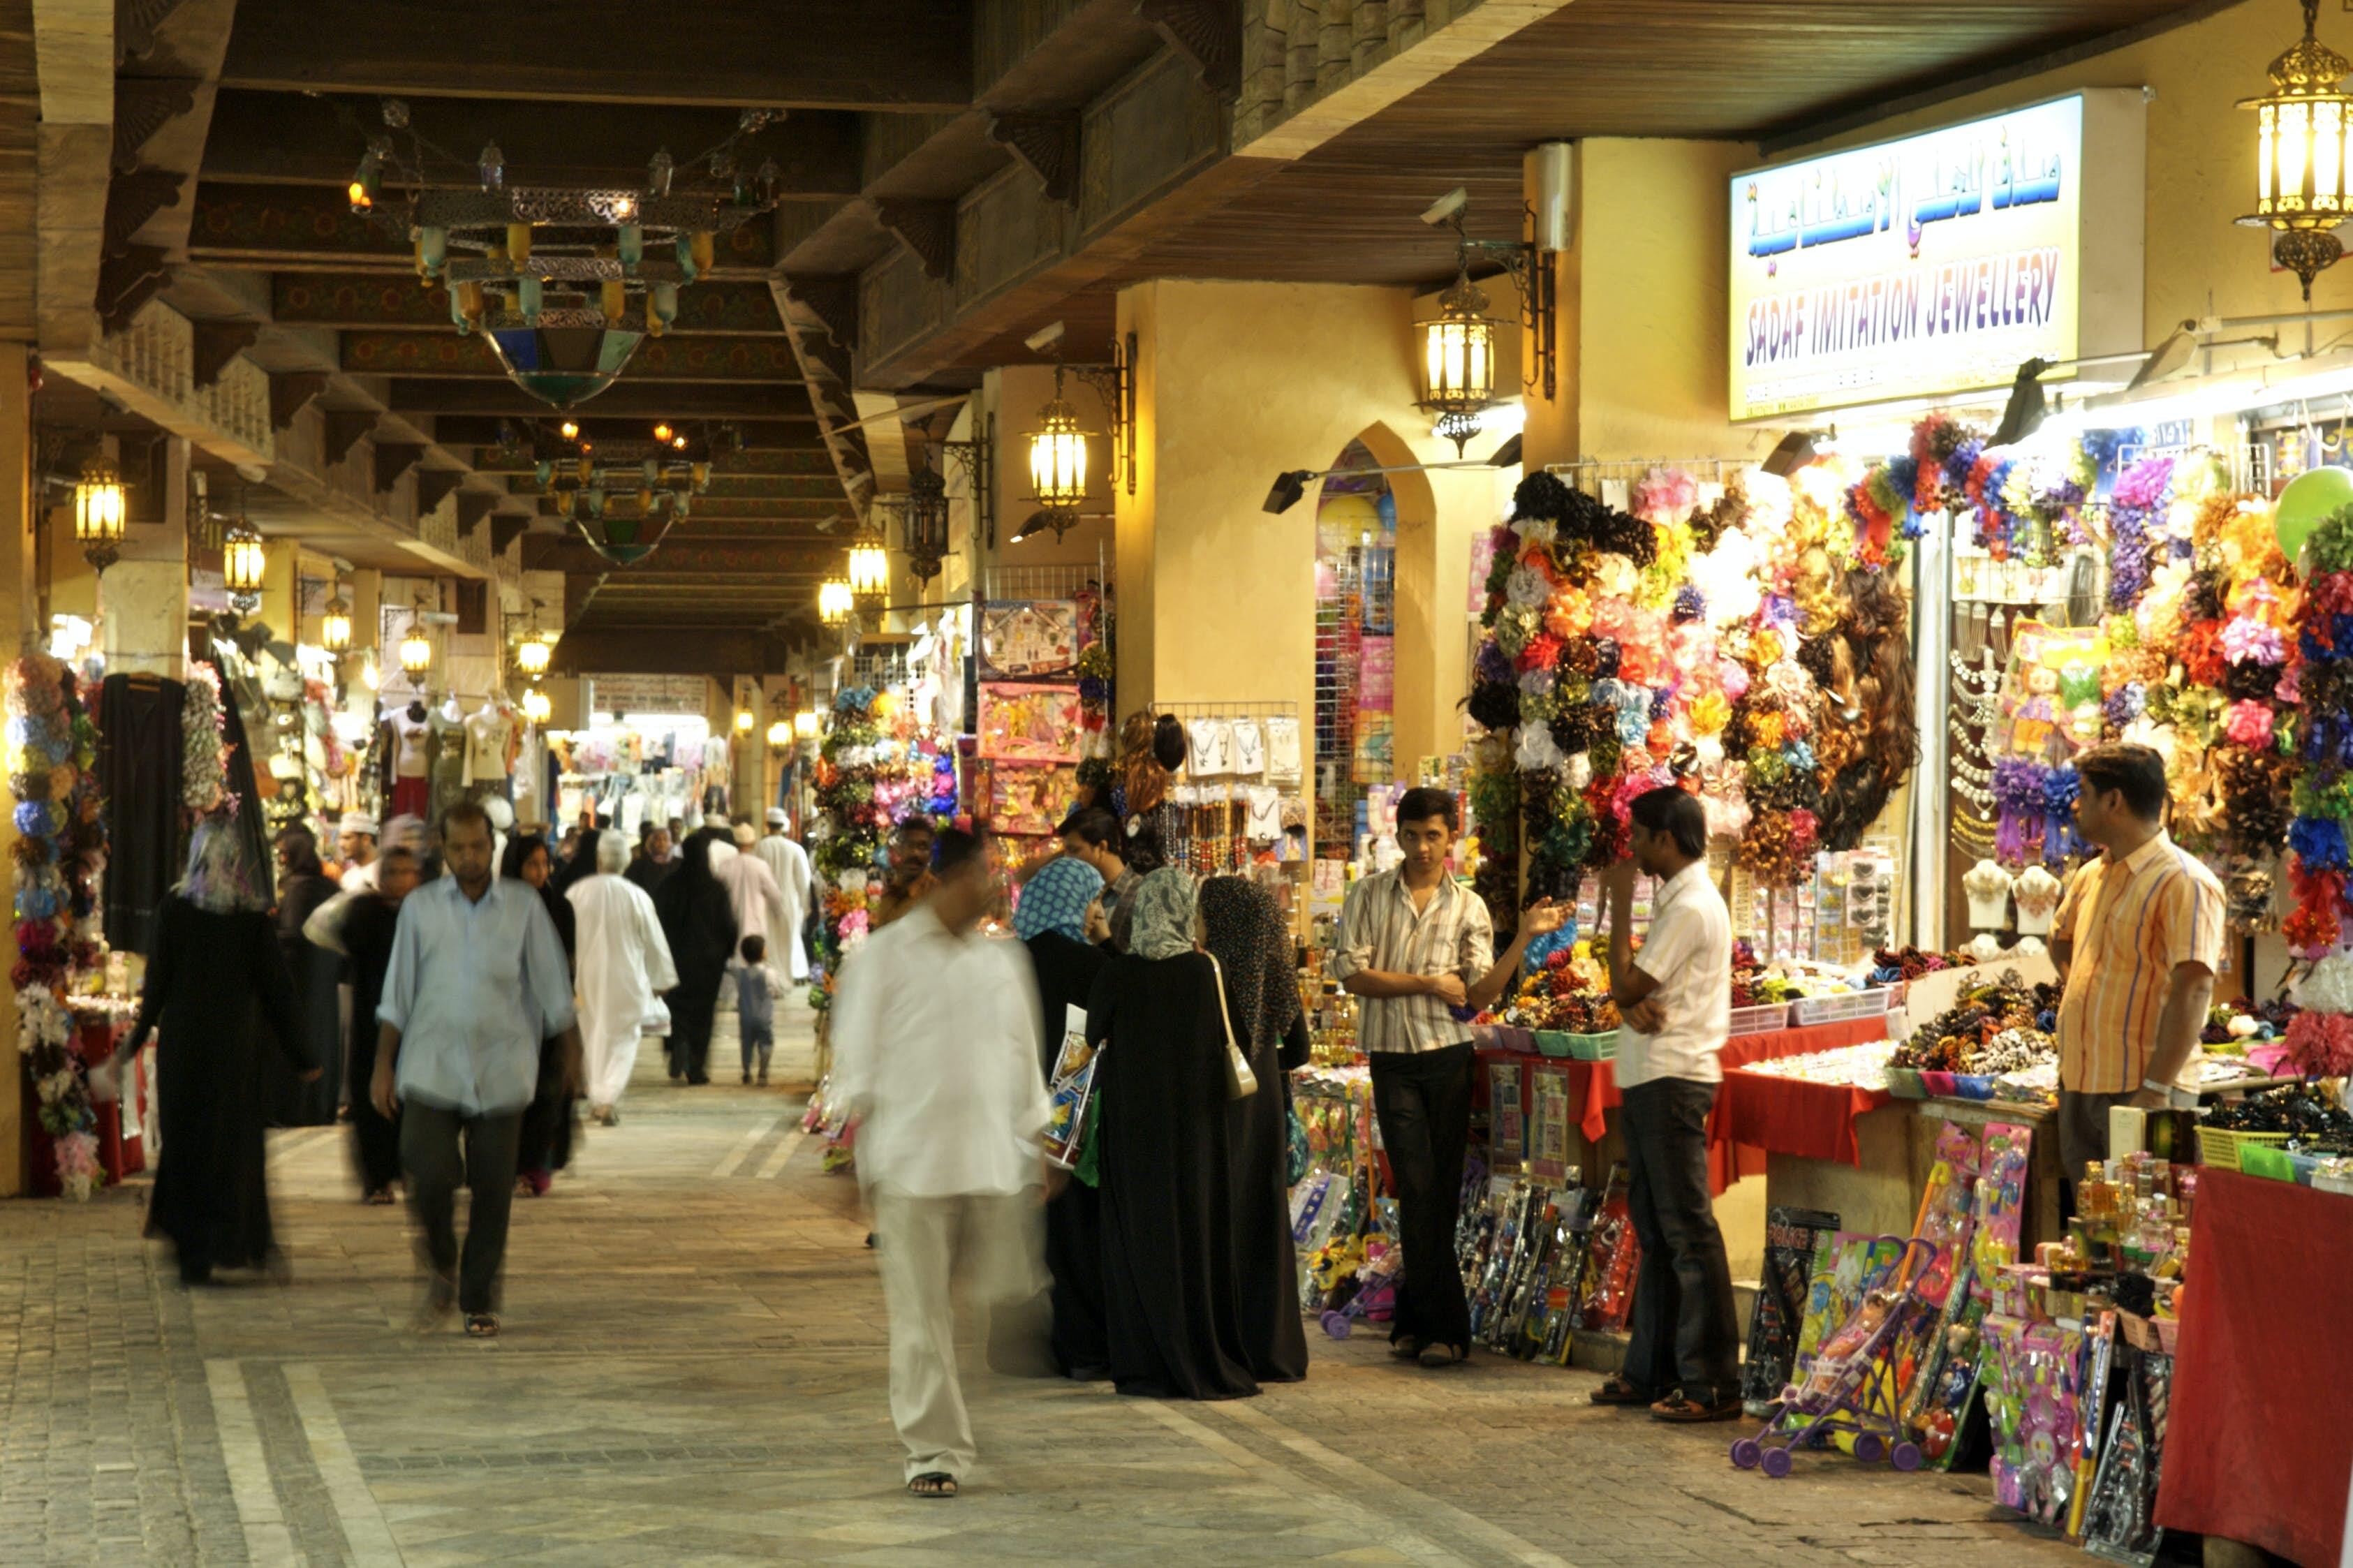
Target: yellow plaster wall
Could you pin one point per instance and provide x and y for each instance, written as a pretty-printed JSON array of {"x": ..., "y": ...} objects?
[
  {"x": 2200, "y": 159},
  {"x": 1239, "y": 382}
]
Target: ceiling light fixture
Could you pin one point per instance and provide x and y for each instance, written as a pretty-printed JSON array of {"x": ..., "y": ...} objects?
[{"x": 99, "y": 514}]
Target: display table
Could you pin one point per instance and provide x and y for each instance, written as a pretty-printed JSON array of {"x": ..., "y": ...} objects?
[
  {"x": 1594, "y": 1092},
  {"x": 2258, "y": 1448}
]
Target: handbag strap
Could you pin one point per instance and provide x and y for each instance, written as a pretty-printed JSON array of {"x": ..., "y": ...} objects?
[{"x": 1224, "y": 1015}]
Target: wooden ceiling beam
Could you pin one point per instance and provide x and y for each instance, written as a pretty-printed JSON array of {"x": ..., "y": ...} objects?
[
  {"x": 313, "y": 228},
  {"x": 445, "y": 353},
  {"x": 759, "y": 434},
  {"x": 905, "y": 56},
  {"x": 740, "y": 473},
  {"x": 625, "y": 398},
  {"x": 279, "y": 138},
  {"x": 360, "y": 300},
  {"x": 587, "y": 650},
  {"x": 748, "y": 557}
]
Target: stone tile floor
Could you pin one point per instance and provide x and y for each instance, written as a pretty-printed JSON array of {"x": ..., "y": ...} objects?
[{"x": 693, "y": 1372}]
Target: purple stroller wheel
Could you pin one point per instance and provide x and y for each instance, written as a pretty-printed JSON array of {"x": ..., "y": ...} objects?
[
  {"x": 1870, "y": 1447},
  {"x": 1337, "y": 1324},
  {"x": 1745, "y": 1452},
  {"x": 1777, "y": 1462},
  {"x": 1906, "y": 1456}
]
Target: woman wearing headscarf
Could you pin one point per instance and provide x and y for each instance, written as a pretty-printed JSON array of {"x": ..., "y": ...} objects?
[
  {"x": 1242, "y": 928},
  {"x": 213, "y": 959},
  {"x": 699, "y": 925},
  {"x": 360, "y": 925},
  {"x": 317, "y": 973},
  {"x": 545, "y": 1145},
  {"x": 1171, "y": 1309},
  {"x": 1050, "y": 921}
]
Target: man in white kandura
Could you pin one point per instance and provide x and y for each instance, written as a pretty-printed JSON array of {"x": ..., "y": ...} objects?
[
  {"x": 624, "y": 962},
  {"x": 936, "y": 1049},
  {"x": 789, "y": 864}
]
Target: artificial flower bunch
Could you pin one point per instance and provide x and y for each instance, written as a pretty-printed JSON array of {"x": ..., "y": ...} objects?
[
  {"x": 2324, "y": 793},
  {"x": 848, "y": 828},
  {"x": 1567, "y": 991},
  {"x": 51, "y": 749}
]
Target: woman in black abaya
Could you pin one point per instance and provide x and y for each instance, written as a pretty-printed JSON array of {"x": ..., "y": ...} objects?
[
  {"x": 214, "y": 957},
  {"x": 1243, "y": 930},
  {"x": 546, "y": 1146},
  {"x": 1171, "y": 1308},
  {"x": 317, "y": 976},
  {"x": 1052, "y": 923},
  {"x": 698, "y": 921}
]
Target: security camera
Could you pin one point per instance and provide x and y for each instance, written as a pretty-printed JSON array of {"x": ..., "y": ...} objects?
[
  {"x": 1044, "y": 338},
  {"x": 1446, "y": 207}
]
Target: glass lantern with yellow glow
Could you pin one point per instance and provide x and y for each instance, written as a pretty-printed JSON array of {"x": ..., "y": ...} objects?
[
  {"x": 335, "y": 624},
  {"x": 744, "y": 719},
  {"x": 99, "y": 514},
  {"x": 536, "y": 706},
  {"x": 780, "y": 735},
  {"x": 805, "y": 723},
  {"x": 1058, "y": 455},
  {"x": 2301, "y": 127},
  {"x": 870, "y": 574},
  {"x": 244, "y": 565},
  {"x": 834, "y": 603},
  {"x": 532, "y": 656},
  {"x": 416, "y": 650},
  {"x": 1458, "y": 359}
]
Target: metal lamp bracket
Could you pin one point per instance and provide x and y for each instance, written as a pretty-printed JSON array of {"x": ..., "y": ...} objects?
[
  {"x": 1536, "y": 284},
  {"x": 977, "y": 460},
  {"x": 1115, "y": 384}
]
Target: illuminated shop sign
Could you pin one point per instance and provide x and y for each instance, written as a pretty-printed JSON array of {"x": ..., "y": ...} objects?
[{"x": 1934, "y": 265}]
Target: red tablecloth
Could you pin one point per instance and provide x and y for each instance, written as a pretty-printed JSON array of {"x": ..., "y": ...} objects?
[
  {"x": 1595, "y": 1087},
  {"x": 1791, "y": 1116},
  {"x": 2259, "y": 1447}
]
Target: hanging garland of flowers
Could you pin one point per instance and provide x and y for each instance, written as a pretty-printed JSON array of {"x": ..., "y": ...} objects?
[
  {"x": 2324, "y": 796},
  {"x": 52, "y": 752},
  {"x": 204, "y": 728},
  {"x": 847, "y": 831}
]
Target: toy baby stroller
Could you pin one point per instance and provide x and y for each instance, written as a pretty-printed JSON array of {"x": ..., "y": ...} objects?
[
  {"x": 1375, "y": 1294},
  {"x": 1851, "y": 1388}
]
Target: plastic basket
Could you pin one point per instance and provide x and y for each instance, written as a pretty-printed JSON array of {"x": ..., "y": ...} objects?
[
  {"x": 2340, "y": 1181},
  {"x": 2265, "y": 1160},
  {"x": 1552, "y": 1042},
  {"x": 2302, "y": 1167},
  {"x": 2221, "y": 1147},
  {"x": 1594, "y": 1047},
  {"x": 1760, "y": 1020},
  {"x": 1808, "y": 1011},
  {"x": 1905, "y": 1083}
]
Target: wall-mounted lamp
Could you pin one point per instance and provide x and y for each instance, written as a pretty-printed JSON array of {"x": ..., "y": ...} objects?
[
  {"x": 835, "y": 604},
  {"x": 805, "y": 724},
  {"x": 335, "y": 624},
  {"x": 780, "y": 735},
  {"x": 1456, "y": 346},
  {"x": 244, "y": 565},
  {"x": 536, "y": 706}
]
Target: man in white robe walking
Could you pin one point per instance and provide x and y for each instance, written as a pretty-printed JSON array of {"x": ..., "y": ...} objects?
[
  {"x": 789, "y": 864},
  {"x": 624, "y": 964}
]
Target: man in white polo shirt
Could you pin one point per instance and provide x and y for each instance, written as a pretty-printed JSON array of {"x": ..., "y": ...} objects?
[{"x": 1683, "y": 1359}]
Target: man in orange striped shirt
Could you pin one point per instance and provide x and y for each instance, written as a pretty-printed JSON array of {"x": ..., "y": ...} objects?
[{"x": 2139, "y": 936}]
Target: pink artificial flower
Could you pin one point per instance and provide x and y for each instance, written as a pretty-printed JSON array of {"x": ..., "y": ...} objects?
[{"x": 2249, "y": 723}]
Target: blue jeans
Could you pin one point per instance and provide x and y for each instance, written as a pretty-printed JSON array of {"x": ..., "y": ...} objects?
[{"x": 759, "y": 1037}]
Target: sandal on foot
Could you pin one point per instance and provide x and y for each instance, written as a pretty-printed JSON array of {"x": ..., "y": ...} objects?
[
  {"x": 1405, "y": 1347},
  {"x": 1683, "y": 1410},
  {"x": 933, "y": 1484},
  {"x": 481, "y": 1325},
  {"x": 1620, "y": 1391},
  {"x": 380, "y": 1198},
  {"x": 1438, "y": 1354}
]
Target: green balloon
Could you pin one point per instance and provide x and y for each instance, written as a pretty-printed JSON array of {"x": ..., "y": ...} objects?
[{"x": 2307, "y": 502}]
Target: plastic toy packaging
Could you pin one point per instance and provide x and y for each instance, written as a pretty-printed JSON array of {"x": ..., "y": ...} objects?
[{"x": 2032, "y": 1378}]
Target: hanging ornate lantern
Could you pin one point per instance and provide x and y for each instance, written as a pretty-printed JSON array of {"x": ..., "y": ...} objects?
[
  {"x": 1058, "y": 455},
  {"x": 744, "y": 719},
  {"x": 99, "y": 514},
  {"x": 835, "y": 604},
  {"x": 780, "y": 735},
  {"x": 870, "y": 575},
  {"x": 536, "y": 706},
  {"x": 925, "y": 519},
  {"x": 2300, "y": 154},
  {"x": 805, "y": 724},
  {"x": 1458, "y": 359},
  {"x": 415, "y": 648},
  {"x": 244, "y": 564},
  {"x": 335, "y": 624}
]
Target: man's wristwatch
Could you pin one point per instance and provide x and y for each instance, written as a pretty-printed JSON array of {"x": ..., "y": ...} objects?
[{"x": 2179, "y": 1098}]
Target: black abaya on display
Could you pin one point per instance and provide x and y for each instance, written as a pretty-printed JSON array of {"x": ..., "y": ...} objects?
[
  {"x": 1171, "y": 1305},
  {"x": 139, "y": 756},
  {"x": 206, "y": 975},
  {"x": 1066, "y": 976}
]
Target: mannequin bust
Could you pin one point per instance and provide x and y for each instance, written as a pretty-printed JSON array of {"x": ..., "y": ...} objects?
[
  {"x": 1988, "y": 887},
  {"x": 2037, "y": 892}
]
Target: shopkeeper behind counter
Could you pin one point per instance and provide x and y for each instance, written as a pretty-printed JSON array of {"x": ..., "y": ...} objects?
[{"x": 2139, "y": 937}]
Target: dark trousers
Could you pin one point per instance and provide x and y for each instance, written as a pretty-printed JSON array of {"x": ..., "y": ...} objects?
[
  {"x": 1684, "y": 1330},
  {"x": 376, "y": 1137},
  {"x": 430, "y": 1139},
  {"x": 1423, "y": 1101},
  {"x": 691, "y": 1018}
]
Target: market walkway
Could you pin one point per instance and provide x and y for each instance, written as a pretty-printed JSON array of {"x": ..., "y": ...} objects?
[{"x": 693, "y": 1372}]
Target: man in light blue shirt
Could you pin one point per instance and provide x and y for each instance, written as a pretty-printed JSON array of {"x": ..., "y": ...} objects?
[{"x": 477, "y": 981}]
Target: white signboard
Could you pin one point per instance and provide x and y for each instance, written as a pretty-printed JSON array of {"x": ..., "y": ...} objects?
[
  {"x": 679, "y": 695},
  {"x": 1937, "y": 264}
]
